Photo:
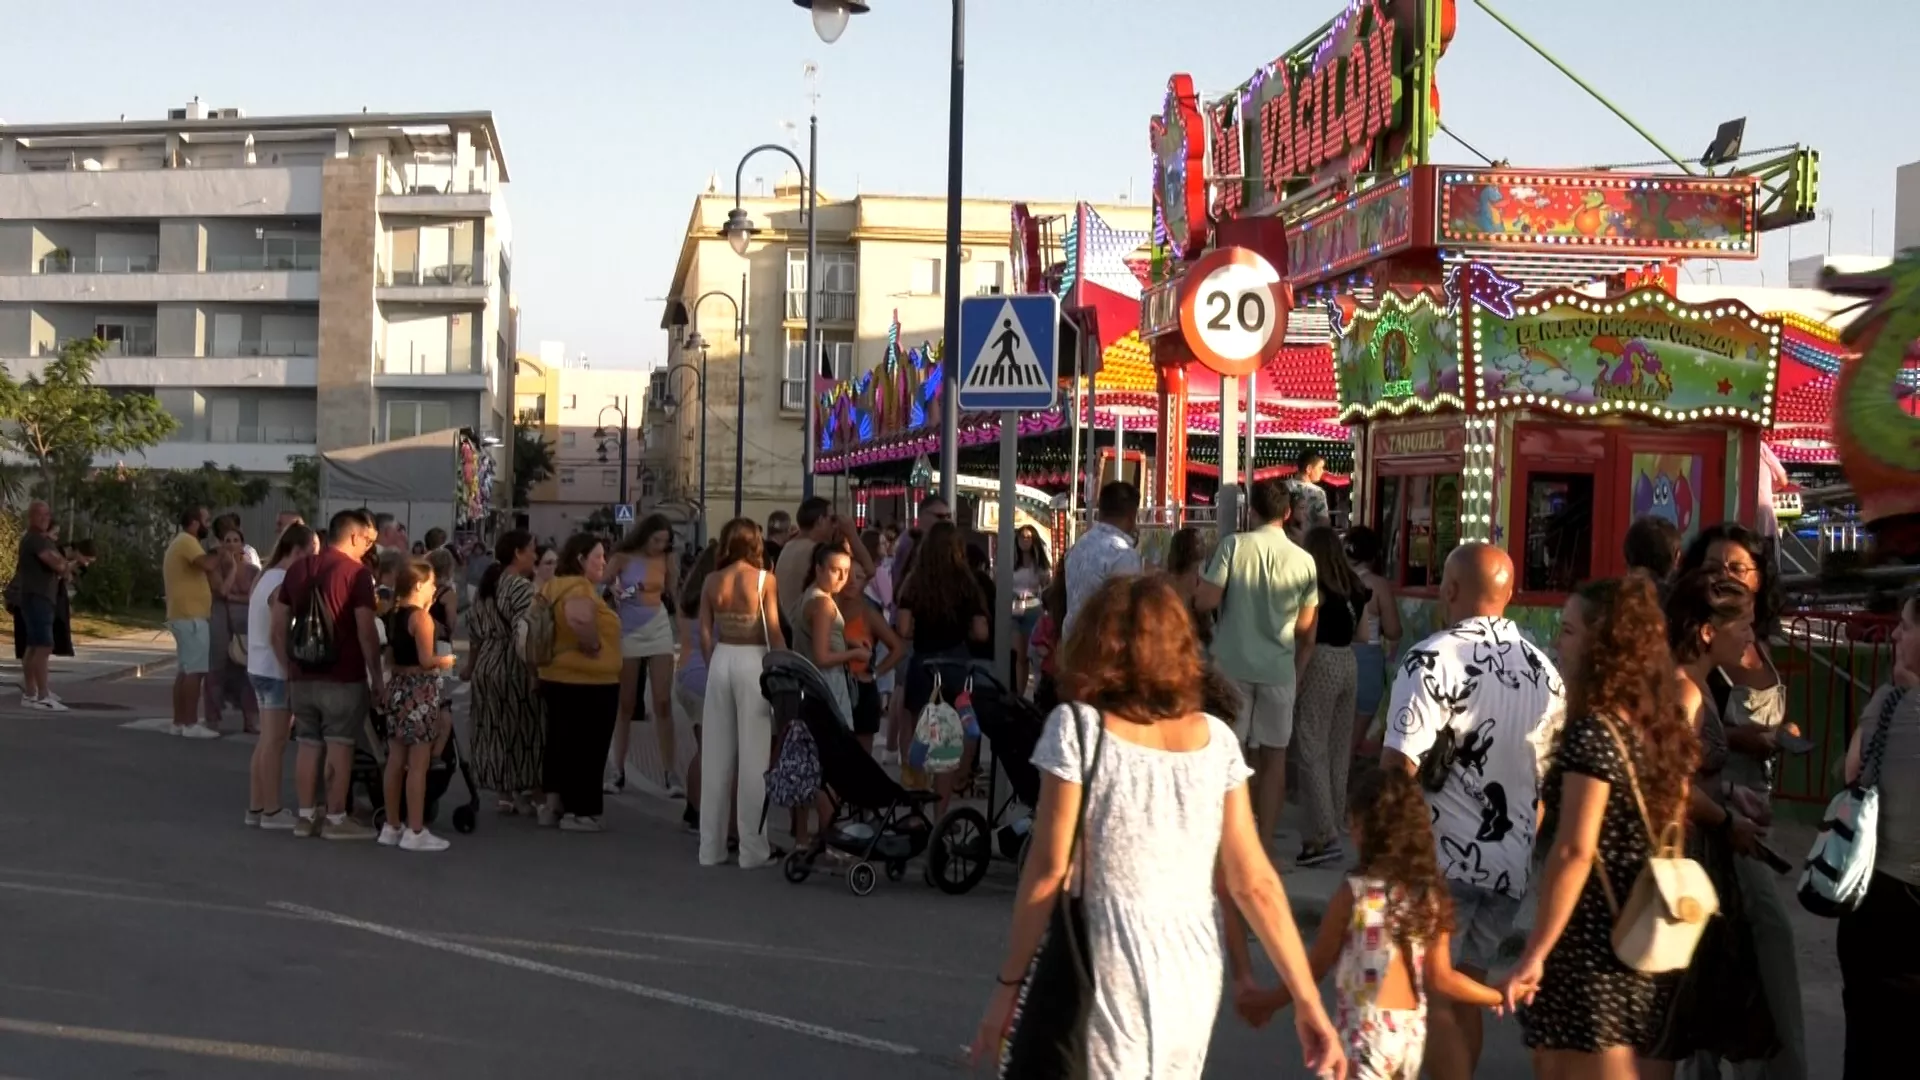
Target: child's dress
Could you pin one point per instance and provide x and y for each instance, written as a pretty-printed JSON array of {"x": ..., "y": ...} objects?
[
  {"x": 1382, "y": 1044},
  {"x": 413, "y": 697}
]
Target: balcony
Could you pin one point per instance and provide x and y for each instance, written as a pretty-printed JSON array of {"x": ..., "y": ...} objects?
[
  {"x": 100, "y": 264},
  {"x": 271, "y": 347},
  {"x": 252, "y": 282},
  {"x": 266, "y": 436},
  {"x": 451, "y": 284},
  {"x": 269, "y": 452},
  {"x": 268, "y": 261},
  {"x": 834, "y": 306},
  {"x": 137, "y": 366},
  {"x": 428, "y": 371}
]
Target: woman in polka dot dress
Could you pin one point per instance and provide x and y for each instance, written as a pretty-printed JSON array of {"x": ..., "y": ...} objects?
[{"x": 1585, "y": 1013}]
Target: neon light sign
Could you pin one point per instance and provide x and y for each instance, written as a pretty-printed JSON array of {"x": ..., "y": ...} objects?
[{"x": 1179, "y": 169}]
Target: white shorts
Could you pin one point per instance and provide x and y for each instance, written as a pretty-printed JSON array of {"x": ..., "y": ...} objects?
[
  {"x": 653, "y": 639},
  {"x": 1265, "y": 719}
]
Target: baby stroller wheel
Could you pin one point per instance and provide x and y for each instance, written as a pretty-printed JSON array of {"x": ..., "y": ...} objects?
[
  {"x": 861, "y": 878},
  {"x": 379, "y": 817},
  {"x": 794, "y": 867},
  {"x": 957, "y": 858},
  {"x": 464, "y": 819},
  {"x": 896, "y": 870}
]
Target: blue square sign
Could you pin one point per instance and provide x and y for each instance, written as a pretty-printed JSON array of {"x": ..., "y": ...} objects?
[{"x": 1009, "y": 352}]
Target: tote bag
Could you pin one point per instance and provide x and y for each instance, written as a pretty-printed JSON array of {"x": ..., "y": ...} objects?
[
  {"x": 1047, "y": 1039},
  {"x": 1840, "y": 866}
]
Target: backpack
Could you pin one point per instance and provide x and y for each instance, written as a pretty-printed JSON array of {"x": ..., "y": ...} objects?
[
  {"x": 1840, "y": 866},
  {"x": 795, "y": 775},
  {"x": 533, "y": 632},
  {"x": 939, "y": 739},
  {"x": 1660, "y": 925},
  {"x": 310, "y": 641}
]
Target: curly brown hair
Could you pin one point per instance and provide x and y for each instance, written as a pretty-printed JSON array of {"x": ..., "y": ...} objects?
[
  {"x": 1627, "y": 674},
  {"x": 1394, "y": 828},
  {"x": 1133, "y": 653},
  {"x": 941, "y": 580}
]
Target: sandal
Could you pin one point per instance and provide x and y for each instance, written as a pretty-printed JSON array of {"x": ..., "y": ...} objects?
[{"x": 507, "y": 807}]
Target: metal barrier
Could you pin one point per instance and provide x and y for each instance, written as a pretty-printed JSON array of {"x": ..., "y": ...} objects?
[{"x": 1831, "y": 662}]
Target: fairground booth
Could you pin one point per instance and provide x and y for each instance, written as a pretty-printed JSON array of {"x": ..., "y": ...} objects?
[{"x": 1507, "y": 346}]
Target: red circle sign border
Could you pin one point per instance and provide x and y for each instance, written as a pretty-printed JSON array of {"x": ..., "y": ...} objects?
[{"x": 1202, "y": 268}]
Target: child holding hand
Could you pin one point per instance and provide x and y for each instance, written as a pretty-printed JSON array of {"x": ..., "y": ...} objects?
[
  {"x": 412, "y": 706},
  {"x": 1388, "y": 933}
]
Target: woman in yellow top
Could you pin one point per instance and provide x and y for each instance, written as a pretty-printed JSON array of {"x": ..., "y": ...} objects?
[{"x": 581, "y": 687}]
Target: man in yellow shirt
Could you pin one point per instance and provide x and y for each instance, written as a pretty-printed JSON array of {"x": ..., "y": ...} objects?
[{"x": 186, "y": 568}]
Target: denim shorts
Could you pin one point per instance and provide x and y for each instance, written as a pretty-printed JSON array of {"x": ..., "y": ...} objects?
[
  {"x": 1482, "y": 919},
  {"x": 35, "y": 620},
  {"x": 193, "y": 644},
  {"x": 271, "y": 692}
]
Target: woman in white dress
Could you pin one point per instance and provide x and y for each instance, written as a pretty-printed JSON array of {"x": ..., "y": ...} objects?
[{"x": 1166, "y": 802}]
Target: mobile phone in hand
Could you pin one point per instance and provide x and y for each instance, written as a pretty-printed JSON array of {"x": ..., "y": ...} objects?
[{"x": 1790, "y": 743}]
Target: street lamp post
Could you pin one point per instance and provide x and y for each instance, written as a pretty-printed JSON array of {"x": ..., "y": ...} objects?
[
  {"x": 829, "y": 22},
  {"x": 619, "y": 408},
  {"x": 694, "y": 341},
  {"x": 739, "y": 232},
  {"x": 690, "y": 316}
]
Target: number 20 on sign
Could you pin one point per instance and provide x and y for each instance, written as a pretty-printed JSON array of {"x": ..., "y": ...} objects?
[{"x": 1233, "y": 310}]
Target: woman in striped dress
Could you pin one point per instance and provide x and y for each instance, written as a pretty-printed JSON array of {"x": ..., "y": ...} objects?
[{"x": 509, "y": 723}]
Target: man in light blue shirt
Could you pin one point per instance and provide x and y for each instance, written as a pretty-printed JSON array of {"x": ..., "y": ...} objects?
[
  {"x": 1266, "y": 589},
  {"x": 1106, "y": 551}
]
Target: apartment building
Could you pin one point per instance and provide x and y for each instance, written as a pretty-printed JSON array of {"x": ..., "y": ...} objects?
[
  {"x": 880, "y": 256},
  {"x": 583, "y": 414},
  {"x": 283, "y": 284}
]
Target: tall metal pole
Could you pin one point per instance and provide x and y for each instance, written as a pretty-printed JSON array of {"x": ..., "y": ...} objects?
[
  {"x": 740, "y": 402},
  {"x": 813, "y": 303},
  {"x": 950, "y": 347},
  {"x": 623, "y": 451},
  {"x": 703, "y": 447}
]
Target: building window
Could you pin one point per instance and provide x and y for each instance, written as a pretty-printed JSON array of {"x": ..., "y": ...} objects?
[
  {"x": 570, "y": 401},
  {"x": 609, "y": 477},
  {"x": 839, "y": 277},
  {"x": 567, "y": 477},
  {"x": 989, "y": 276},
  {"x": 925, "y": 279},
  {"x": 646, "y": 484},
  {"x": 836, "y": 361},
  {"x": 406, "y": 419}
]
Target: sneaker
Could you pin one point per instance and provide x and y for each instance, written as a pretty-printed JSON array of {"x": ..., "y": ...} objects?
[
  {"x": 50, "y": 704},
  {"x": 389, "y": 835},
  {"x": 307, "y": 825},
  {"x": 279, "y": 820},
  {"x": 674, "y": 788},
  {"x": 423, "y": 840},
  {"x": 1320, "y": 856},
  {"x": 50, "y": 696},
  {"x": 253, "y": 819},
  {"x": 190, "y": 731},
  {"x": 546, "y": 816},
  {"x": 690, "y": 818},
  {"x": 576, "y": 823},
  {"x": 345, "y": 829}
]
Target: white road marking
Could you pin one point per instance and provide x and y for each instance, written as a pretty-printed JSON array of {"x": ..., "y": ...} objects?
[
  {"x": 779, "y": 952},
  {"x": 255, "y": 1053},
  {"x": 717, "y": 1008},
  {"x": 158, "y": 901},
  {"x": 562, "y": 948}
]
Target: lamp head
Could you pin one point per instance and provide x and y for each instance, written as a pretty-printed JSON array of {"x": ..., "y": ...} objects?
[
  {"x": 599, "y": 433},
  {"x": 694, "y": 342},
  {"x": 739, "y": 230},
  {"x": 830, "y": 16}
]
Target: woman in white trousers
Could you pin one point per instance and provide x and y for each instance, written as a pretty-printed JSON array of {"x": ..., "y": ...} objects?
[{"x": 739, "y": 622}]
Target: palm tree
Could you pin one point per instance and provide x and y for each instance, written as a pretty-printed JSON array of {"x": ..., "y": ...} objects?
[{"x": 532, "y": 456}]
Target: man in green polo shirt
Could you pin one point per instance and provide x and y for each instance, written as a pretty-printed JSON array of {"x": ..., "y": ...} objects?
[{"x": 1267, "y": 592}]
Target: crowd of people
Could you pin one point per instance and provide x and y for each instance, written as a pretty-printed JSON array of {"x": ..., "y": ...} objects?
[{"x": 1452, "y": 778}]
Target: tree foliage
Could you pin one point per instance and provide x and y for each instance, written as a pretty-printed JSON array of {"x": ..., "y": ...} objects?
[
  {"x": 303, "y": 485},
  {"x": 60, "y": 421},
  {"x": 532, "y": 457}
]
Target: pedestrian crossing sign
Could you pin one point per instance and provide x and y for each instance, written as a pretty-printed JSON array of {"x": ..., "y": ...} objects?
[
  {"x": 1009, "y": 352},
  {"x": 623, "y": 514}
]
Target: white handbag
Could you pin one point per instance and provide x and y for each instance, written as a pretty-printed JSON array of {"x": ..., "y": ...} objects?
[
  {"x": 1658, "y": 928},
  {"x": 1840, "y": 866}
]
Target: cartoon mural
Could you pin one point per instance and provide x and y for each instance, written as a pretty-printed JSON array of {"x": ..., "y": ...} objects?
[
  {"x": 1399, "y": 355},
  {"x": 1681, "y": 216},
  {"x": 1669, "y": 486}
]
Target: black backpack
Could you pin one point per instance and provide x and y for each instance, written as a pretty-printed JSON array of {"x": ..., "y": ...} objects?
[{"x": 310, "y": 641}]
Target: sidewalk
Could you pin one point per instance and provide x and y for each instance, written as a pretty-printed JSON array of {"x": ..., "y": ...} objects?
[{"x": 142, "y": 654}]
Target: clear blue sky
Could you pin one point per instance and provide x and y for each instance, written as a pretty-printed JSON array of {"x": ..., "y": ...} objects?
[{"x": 614, "y": 114}]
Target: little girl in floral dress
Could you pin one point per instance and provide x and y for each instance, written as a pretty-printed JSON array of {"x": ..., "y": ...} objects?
[
  {"x": 1388, "y": 933},
  {"x": 412, "y": 705}
]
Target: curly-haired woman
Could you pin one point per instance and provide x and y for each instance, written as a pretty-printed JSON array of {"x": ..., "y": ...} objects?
[
  {"x": 1160, "y": 786},
  {"x": 1587, "y": 1014}
]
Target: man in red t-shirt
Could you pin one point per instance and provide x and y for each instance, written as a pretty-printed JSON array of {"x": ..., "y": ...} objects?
[{"x": 331, "y": 703}]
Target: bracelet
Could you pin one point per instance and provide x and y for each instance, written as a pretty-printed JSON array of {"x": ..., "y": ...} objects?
[{"x": 1009, "y": 982}]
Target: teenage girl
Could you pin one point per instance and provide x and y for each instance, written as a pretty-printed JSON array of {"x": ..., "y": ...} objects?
[
  {"x": 1387, "y": 933},
  {"x": 867, "y": 626},
  {"x": 413, "y": 707}
]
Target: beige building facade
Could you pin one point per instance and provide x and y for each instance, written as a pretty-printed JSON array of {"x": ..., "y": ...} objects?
[
  {"x": 284, "y": 285},
  {"x": 880, "y": 256},
  {"x": 580, "y": 414}
]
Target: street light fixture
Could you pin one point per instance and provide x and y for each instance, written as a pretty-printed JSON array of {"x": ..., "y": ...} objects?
[
  {"x": 739, "y": 231},
  {"x": 619, "y": 408},
  {"x": 830, "y": 16},
  {"x": 695, "y": 342},
  {"x": 688, "y": 315},
  {"x": 829, "y": 20}
]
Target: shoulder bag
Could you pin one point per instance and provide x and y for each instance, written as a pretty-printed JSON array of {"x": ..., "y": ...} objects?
[
  {"x": 1840, "y": 866},
  {"x": 1672, "y": 898},
  {"x": 1047, "y": 1039}
]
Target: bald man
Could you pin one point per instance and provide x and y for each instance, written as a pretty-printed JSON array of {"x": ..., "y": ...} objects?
[{"x": 1474, "y": 710}]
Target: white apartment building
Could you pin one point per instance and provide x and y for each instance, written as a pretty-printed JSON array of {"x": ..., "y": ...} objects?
[{"x": 283, "y": 284}]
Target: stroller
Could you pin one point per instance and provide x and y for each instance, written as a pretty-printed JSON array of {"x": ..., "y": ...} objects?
[
  {"x": 874, "y": 820},
  {"x": 369, "y": 768},
  {"x": 961, "y": 850}
]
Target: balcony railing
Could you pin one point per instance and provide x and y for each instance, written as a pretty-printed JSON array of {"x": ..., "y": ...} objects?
[
  {"x": 793, "y": 395},
  {"x": 439, "y": 275},
  {"x": 113, "y": 348},
  {"x": 256, "y": 261},
  {"x": 100, "y": 264},
  {"x": 413, "y": 363},
  {"x": 274, "y": 435},
  {"x": 834, "y": 306},
  {"x": 278, "y": 347}
]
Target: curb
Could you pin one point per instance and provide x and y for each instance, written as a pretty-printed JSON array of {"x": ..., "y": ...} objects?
[{"x": 135, "y": 671}]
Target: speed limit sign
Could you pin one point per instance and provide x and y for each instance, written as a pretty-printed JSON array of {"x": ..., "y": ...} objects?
[{"x": 1233, "y": 310}]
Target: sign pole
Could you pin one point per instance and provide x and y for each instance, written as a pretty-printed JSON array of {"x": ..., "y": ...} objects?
[
  {"x": 1073, "y": 475},
  {"x": 1003, "y": 666},
  {"x": 1229, "y": 430}
]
